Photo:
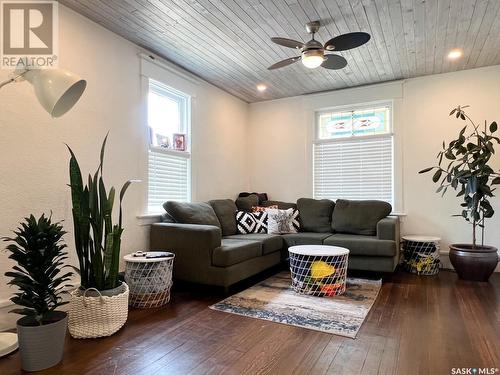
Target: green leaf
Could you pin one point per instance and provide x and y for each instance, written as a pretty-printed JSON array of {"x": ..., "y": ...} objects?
[
  {"x": 426, "y": 170},
  {"x": 496, "y": 181},
  {"x": 103, "y": 147},
  {"x": 437, "y": 175},
  {"x": 493, "y": 127}
]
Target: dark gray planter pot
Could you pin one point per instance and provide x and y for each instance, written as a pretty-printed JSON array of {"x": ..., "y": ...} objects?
[
  {"x": 473, "y": 263},
  {"x": 42, "y": 346}
]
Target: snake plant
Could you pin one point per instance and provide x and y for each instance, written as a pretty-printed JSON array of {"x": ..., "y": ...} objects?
[
  {"x": 97, "y": 240},
  {"x": 39, "y": 252}
]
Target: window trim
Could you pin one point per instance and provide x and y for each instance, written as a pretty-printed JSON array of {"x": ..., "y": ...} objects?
[
  {"x": 186, "y": 124},
  {"x": 352, "y": 108}
]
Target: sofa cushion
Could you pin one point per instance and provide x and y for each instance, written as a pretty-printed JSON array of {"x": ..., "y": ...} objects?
[
  {"x": 363, "y": 245},
  {"x": 359, "y": 217},
  {"x": 192, "y": 213},
  {"x": 246, "y": 203},
  {"x": 225, "y": 209},
  {"x": 270, "y": 242},
  {"x": 235, "y": 251},
  {"x": 315, "y": 214},
  {"x": 304, "y": 238}
]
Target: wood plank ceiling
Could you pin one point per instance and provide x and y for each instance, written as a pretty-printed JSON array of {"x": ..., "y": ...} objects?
[{"x": 227, "y": 42}]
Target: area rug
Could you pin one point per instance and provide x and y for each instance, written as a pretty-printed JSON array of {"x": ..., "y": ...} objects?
[{"x": 274, "y": 300}]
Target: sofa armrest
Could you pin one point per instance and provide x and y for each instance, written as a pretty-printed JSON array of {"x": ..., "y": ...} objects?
[
  {"x": 192, "y": 244},
  {"x": 388, "y": 229}
]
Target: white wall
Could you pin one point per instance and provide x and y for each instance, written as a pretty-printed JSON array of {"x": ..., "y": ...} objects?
[
  {"x": 34, "y": 160},
  {"x": 281, "y": 134}
]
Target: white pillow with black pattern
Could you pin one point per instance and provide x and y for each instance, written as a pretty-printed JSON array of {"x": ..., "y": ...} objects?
[
  {"x": 280, "y": 221},
  {"x": 248, "y": 222}
]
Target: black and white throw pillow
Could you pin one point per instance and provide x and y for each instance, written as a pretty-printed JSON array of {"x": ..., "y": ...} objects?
[
  {"x": 248, "y": 222},
  {"x": 296, "y": 220}
]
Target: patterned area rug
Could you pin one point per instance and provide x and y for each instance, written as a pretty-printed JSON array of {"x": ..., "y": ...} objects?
[{"x": 274, "y": 300}]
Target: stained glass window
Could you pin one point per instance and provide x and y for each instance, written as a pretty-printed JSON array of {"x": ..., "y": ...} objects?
[{"x": 372, "y": 121}]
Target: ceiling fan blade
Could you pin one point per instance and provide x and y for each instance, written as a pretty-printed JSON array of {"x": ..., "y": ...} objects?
[
  {"x": 334, "y": 62},
  {"x": 290, "y": 43},
  {"x": 282, "y": 63},
  {"x": 347, "y": 41}
]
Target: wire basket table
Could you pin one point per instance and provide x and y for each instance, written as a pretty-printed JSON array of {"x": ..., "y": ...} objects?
[
  {"x": 318, "y": 270},
  {"x": 421, "y": 255},
  {"x": 149, "y": 279}
]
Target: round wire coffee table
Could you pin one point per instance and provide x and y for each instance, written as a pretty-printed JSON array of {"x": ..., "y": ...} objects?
[{"x": 318, "y": 270}]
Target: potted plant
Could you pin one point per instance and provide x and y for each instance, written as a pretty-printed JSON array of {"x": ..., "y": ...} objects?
[
  {"x": 99, "y": 307},
  {"x": 464, "y": 165},
  {"x": 38, "y": 250}
]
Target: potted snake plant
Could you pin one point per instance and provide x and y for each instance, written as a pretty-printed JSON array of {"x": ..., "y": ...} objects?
[
  {"x": 99, "y": 307},
  {"x": 39, "y": 252},
  {"x": 465, "y": 165}
]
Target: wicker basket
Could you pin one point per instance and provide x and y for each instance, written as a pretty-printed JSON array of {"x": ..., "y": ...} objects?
[{"x": 101, "y": 316}]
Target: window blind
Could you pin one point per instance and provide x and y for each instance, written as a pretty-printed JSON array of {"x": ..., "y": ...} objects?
[
  {"x": 168, "y": 179},
  {"x": 354, "y": 169}
]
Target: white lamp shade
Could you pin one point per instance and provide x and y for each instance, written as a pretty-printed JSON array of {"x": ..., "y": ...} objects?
[{"x": 57, "y": 90}]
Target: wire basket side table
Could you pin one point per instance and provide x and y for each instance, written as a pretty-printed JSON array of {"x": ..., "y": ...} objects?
[
  {"x": 149, "y": 280},
  {"x": 421, "y": 255}
]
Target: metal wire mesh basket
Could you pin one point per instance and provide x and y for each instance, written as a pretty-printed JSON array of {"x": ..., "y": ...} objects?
[
  {"x": 149, "y": 281},
  {"x": 421, "y": 255},
  {"x": 318, "y": 270}
]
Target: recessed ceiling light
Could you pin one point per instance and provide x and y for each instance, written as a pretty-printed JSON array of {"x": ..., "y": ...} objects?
[
  {"x": 261, "y": 87},
  {"x": 455, "y": 54}
]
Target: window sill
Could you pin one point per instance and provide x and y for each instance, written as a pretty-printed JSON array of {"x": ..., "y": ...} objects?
[
  {"x": 148, "y": 219},
  {"x": 170, "y": 151}
]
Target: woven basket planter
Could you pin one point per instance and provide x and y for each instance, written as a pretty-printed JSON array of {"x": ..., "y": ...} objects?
[{"x": 97, "y": 316}]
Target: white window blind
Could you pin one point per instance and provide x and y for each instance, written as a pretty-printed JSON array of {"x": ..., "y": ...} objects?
[
  {"x": 168, "y": 179},
  {"x": 356, "y": 169}
]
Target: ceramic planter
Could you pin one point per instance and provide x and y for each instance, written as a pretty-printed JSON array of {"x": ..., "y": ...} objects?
[
  {"x": 42, "y": 346},
  {"x": 473, "y": 263}
]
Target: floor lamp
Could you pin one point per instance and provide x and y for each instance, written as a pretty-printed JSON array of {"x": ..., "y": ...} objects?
[{"x": 57, "y": 90}]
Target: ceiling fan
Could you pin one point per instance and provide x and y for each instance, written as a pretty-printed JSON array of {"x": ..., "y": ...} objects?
[{"x": 313, "y": 52}]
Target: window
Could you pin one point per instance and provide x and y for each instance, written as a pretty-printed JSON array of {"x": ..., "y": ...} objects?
[
  {"x": 353, "y": 154},
  {"x": 169, "y": 156}
]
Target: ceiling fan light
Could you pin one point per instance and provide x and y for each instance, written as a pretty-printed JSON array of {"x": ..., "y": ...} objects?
[{"x": 312, "y": 59}]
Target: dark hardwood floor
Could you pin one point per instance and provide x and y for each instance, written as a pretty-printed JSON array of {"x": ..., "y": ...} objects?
[{"x": 418, "y": 325}]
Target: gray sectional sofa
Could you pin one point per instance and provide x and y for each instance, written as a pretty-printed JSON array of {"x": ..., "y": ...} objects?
[{"x": 209, "y": 251}]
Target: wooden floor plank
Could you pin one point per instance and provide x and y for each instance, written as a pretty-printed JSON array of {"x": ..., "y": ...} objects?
[{"x": 418, "y": 325}]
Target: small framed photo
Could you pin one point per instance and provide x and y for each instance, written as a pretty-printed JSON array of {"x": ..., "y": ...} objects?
[
  {"x": 179, "y": 142},
  {"x": 163, "y": 141}
]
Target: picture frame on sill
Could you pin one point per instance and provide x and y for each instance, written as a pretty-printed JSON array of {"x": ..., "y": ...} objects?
[
  {"x": 179, "y": 141},
  {"x": 163, "y": 141}
]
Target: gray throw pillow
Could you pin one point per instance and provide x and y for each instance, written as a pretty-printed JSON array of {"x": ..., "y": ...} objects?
[
  {"x": 315, "y": 215},
  {"x": 246, "y": 203},
  {"x": 192, "y": 213},
  {"x": 225, "y": 209},
  {"x": 359, "y": 217}
]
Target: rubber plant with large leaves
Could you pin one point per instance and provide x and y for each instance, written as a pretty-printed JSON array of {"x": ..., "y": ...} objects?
[
  {"x": 97, "y": 239},
  {"x": 464, "y": 165}
]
